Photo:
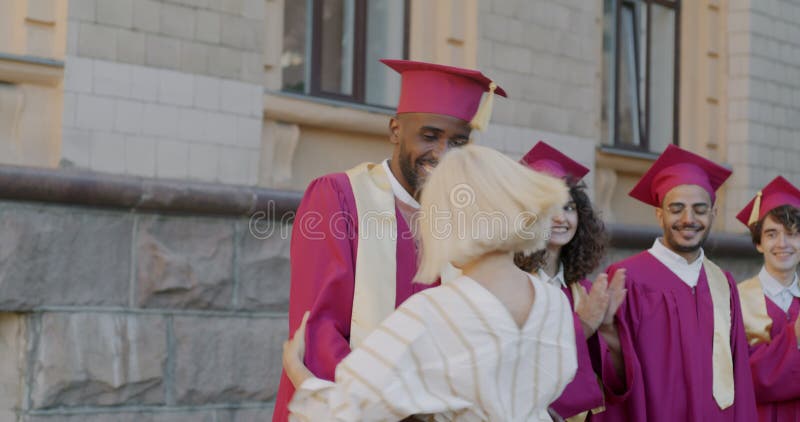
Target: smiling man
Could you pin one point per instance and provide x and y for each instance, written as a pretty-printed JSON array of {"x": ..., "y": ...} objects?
[
  {"x": 771, "y": 300},
  {"x": 680, "y": 330},
  {"x": 353, "y": 253}
]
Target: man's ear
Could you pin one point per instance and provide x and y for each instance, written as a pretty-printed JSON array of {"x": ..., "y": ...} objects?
[{"x": 394, "y": 130}]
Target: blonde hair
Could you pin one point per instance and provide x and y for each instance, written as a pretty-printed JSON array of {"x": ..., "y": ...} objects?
[{"x": 478, "y": 201}]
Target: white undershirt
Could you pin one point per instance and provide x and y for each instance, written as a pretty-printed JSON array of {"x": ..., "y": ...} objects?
[
  {"x": 399, "y": 191},
  {"x": 777, "y": 292},
  {"x": 689, "y": 273}
]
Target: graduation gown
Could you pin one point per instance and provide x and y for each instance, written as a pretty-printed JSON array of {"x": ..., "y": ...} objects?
[
  {"x": 323, "y": 261},
  {"x": 775, "y": 366},
  {"x": 666, "y": 330},
  {"x": 584, "y": 393},
  {"x": 453, "y": 353}
]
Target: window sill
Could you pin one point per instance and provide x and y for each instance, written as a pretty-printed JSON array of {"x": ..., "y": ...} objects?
[
  {"x": 623, "y": 160},
  {"x": 322, "y": 112},
  {"x": 29, "y": 69}
]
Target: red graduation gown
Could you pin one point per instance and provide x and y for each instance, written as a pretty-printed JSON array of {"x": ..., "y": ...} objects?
[
  {"x": 323, "y": 261},
  {"x": 776, "y": 367},
  {"x": 666, "y": 331}
]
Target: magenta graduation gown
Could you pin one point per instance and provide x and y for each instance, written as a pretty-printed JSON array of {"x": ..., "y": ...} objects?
[
  {"x": 583, "y": 393},
  {"x": 323, "y": 261},
  {"x": 666, "y": 331},
  {"x": 776, "y": 367}
]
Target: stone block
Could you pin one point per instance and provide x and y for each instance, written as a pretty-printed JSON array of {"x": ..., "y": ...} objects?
[
  {"x": 13, "y": 343},
  {"x": 95, "y": 113},
  {"x": 221, "y": 128},
  {"x": 245, "y": 415},
  {"x": 175, "y": 88},
  {"x": 128, "y": 116},
  {"x": 97, "y": 41},
  {"x": 146, "y": 15},
  {"x": 253, "y": 68},
  {"x": 172, "y": 159},
  {"x": 76, "y": 146},
  {"x": 112, "y": 79},
  {"x": 85, "y": 359},
  {"x": 143, "y": 416},
  {"x": 163, "y": 52},
  {"x": 131, "y": 47},
  {"x": 85, "y": 10},
  {"x": 115, "y": 13},
  {"x": 263, "y": 262},
  {"x": 224, "y": 62},
  {"x": 108, "y": 152},
  {"x": 207, "y": 92},
  {"x": 227, "y": 359},
  {"x": 233, "y": 165},
  {"x": 144, "y": 83},
  {"x": 248, "y": 132},
  {"x": 208, "y": 26},
  {"x": 78, "y": 74},
  {"x": 191, "y": 124},
  {"x": 177, "y": 21},
  {"x": 140, "y": 156},
  {"x": 203, "y": 162},
  {"x": 194, "y": 57},
  {"x": 236, "y": 97},
  {"x": 159, "y": 120},
  {"x": 184, "y": 262}
]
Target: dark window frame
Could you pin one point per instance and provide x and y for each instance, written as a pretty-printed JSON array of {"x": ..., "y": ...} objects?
[
  {"x": 644, "y": 145},
  {"x": 359, "y": 52}
]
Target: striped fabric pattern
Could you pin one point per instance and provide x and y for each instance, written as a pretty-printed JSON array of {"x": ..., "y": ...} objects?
[{"x": 452, "y": 353}]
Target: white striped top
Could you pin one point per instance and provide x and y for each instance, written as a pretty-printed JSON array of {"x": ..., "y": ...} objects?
[{"x": 453, "y": 353}]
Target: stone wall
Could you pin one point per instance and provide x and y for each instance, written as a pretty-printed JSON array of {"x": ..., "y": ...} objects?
[{"x": 117, "y": 315}]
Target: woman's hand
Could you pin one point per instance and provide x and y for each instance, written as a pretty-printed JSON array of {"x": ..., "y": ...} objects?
[
  {"x": 294, "y": 351},
  {"x": 616, "y": 294},
  {"x": 592, "y": 307}
]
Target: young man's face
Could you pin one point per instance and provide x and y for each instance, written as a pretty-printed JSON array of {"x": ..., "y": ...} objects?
[
  {"x": 780, "y": 246},
  {"x": 420, "y": 141},
  {"x": 685, "y": 216}
]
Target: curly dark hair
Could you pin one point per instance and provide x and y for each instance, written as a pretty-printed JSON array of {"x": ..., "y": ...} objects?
[
  {"x": 583, "y": 253},
  {"x": 787, "y": 215}
]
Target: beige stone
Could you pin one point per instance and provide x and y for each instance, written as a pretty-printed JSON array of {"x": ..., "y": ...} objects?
[{"x": 99, "y": 359}]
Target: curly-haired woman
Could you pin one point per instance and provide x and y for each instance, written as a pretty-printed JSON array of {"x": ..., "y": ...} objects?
[{"x": 576, "y": 245}]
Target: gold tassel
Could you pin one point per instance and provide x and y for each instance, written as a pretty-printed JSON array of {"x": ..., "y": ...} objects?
[
  {"x": 481, "y": 119},
  {"x": 756, "y": 209}
]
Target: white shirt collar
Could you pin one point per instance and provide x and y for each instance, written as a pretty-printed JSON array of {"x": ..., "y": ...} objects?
[
  {"x": 777, "y": 292},
  {"x": 399, "y": 191},
  {"x": 556, "y": 280},
  {"x": 688, "y": 273}
]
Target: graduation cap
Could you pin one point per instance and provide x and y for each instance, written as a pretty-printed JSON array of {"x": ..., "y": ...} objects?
[
  {"x": 447, "y": 90},
  {"x": 675, "y": 167},
  {"x": 546, "y": 159},
  {"x": 778, "y": 192}
]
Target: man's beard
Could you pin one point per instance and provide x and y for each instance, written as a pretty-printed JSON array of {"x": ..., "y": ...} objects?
[
  {"x": 675, "y": 246},
  {"x": 411, "y": 169}
]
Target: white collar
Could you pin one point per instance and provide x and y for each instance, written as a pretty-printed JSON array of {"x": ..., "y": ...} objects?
[
  {"x": 773, "y": 287},
  {"x": 399, "y": 191},
  {"x": 556, "y": 280},
  {"x": 688, "y": 273}
]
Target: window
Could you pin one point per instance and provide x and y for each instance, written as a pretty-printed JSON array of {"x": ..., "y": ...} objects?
[
  {"x": 331, "y": 49},
  {"x": 641, "y": 66}
]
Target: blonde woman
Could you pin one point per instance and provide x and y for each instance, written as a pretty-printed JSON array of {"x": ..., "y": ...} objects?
[{"x": 494, "y": 344}]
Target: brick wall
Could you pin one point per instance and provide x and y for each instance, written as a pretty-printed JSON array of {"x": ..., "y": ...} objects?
[
  {"x": 764, "y": 95},
  {"x": 168, "y": 89}
]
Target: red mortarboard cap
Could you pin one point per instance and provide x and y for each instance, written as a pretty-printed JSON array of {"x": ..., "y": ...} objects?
[
  {"x": 546, "y": 159},
  {"x": 447, "y": 90},
  {"x": 778, "y": 192},
  {"x": 676, "y": 167}
]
